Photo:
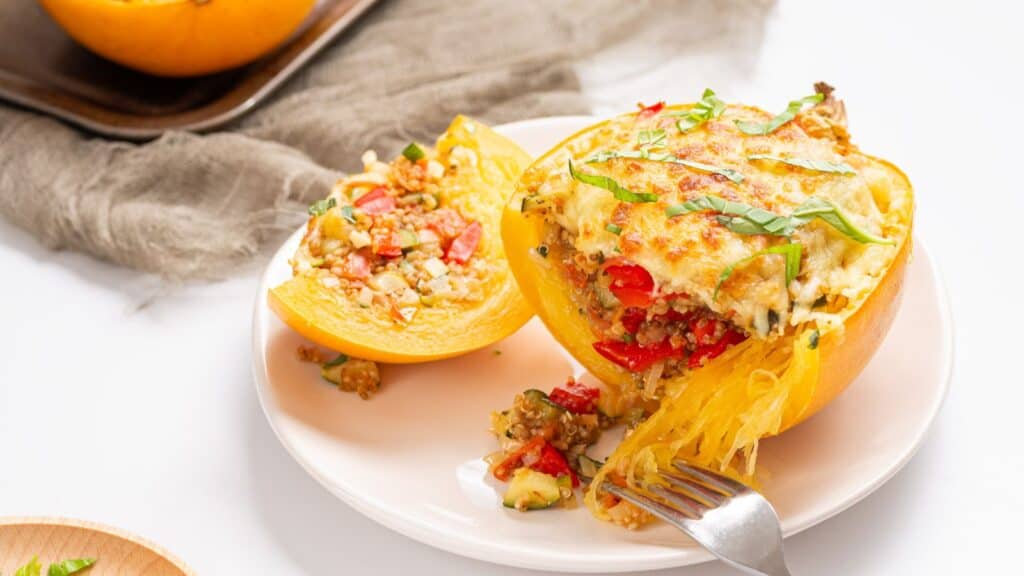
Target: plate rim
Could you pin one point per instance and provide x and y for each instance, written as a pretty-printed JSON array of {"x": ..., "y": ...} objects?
[{"x": 485, "y": 550}]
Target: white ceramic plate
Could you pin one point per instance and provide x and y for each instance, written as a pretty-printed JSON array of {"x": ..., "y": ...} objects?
[{"x": 411, "y": 457}]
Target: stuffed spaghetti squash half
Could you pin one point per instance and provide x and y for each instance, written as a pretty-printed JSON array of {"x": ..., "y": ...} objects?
[
  {"x": 404, "y": 261},
  {"x": 724, "y": 271}
]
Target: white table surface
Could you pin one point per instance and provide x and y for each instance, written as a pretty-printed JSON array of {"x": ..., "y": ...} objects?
[{"x": 144, "y": 417}]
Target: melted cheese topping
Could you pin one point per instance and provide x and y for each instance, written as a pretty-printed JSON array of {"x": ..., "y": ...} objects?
[{"x": 688, "y": 253}]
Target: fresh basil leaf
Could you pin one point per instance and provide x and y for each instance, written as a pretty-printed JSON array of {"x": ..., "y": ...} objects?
[
  {"x": 68, "y": 567},
  {"x": 348, "y": 215},
  {"x": 413, "y": 152},
  {"x": 614, "y": 229},
  {"x": 736, "y": 216},
  {"x": 338, "y": 361},
  {"x": 709, "y": 106},
  {"x": 791, "y": 252},
  {"x": 794, "y": 107},
  {"x": 732, "y": 175},
  {"x": 817, "y": 208},
  {"x": 815, "y": 165},
  {"x": 320, "y": 207},
  {"x": 33, "y": 568},
  {"x": 620, "y": 192},
  {"x": 651, "y": 138}
]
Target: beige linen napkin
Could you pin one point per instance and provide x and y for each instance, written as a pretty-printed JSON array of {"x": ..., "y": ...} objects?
[{"x": 188, "y": 206}]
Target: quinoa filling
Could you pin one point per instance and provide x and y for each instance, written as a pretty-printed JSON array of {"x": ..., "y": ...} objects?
[{"x": 384, "y": 238}]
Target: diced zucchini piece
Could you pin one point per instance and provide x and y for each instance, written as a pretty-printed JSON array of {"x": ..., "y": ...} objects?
[
  {"x": 407, "y": 239},
  {"x": 540, "y": 401},
  {"x": 532, "y": 490}
]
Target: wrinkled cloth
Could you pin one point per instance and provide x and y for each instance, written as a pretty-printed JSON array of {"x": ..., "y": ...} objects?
[{"x": 197, "y": 206}]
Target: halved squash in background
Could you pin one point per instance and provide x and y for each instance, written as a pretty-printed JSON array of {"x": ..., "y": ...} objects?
[
  {"x": 329, "y": 318},
  {"x": 179, "y": 37}
]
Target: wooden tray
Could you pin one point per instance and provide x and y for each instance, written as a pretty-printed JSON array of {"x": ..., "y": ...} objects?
[{"x": 43, "y": 69}]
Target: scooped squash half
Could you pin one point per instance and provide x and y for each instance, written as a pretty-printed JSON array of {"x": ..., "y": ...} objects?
[
  {"x": 665, "y": 194},
  {"x": 480, "y": 170}
]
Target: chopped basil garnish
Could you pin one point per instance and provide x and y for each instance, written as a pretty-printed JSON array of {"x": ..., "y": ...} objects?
[
  {"x": 794, "y": 107},
  {"x": 341, "y": 359},
  {"x": 413, "y": 152},
  {"x": 736, "y": 216},
  {"x": 710, "y": 106},
  {"x": 68, "y": 567},
  {"x": 745, "y": 219},
  {"x": 645, "y": 154},
  {"x": 346, "y": 213},
  {"x": 620, "y": 192},
  {"x": 813, "y": 339},
  {"x": 815, "y": 165},
  {"x": 791, "y": 252},
  {"x": 33, "y": 568},
  {"x": 320, "y": 207},
  {"x": 651, "y": 138},
  {"x": 628, "y": 338},
  {"x": 614, "y": 229},
  {"x": 827, "y": 211}
]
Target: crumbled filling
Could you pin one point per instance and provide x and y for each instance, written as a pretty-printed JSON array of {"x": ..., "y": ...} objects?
[
  {"x": 384, "y": 238},
  {"x": 347, "y": 373}
]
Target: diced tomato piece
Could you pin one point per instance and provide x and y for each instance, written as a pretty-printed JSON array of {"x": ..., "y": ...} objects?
[
  {"x": 631, "y": 284},
  {"x": 386, "y": 243},
  {"x": 632, "y": 318},
  {"x": 355, "y": 266},
  {"x": 650, "y": 111},
  {"x": 552, "y": 462},
  {"x": 504, "y": 470},
  {"x": 710, "y": 351},
  {"x": 446, "y": 222},
  {"x": 464, "y": 246},
  {"x": 576, "y": 397},
  {"x": 376, "y": 201},
  {"x": 634, "y": 357}
]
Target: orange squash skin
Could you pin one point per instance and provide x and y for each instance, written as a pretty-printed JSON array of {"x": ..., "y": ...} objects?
[
  {"x": 843, "y": 354},
  {"x": 179, "y": 37},
  {"x": 327, "y": 317}
]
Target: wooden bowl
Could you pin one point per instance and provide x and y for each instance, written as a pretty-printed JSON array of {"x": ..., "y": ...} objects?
[{"x": 56, "y": 539}]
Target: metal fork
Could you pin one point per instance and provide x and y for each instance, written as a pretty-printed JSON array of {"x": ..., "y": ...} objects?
[{"x": 729, "y": 519}]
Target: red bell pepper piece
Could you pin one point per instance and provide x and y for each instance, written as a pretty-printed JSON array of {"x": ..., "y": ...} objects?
[
  {"x": 552, "y": 462},
  {"x": 632, "y": 318},
  {"x": 652, "y": 110},
  {"x": 576, "y": 397},
  {"x": 709, "y": 351},
  {"x": 376, "y": 201},
  {"x": 631, "y": 284},
  {"x": 634, "y": 357},
  {"x": 504, "y": 470},
  {"x": 703, "y": 329}
]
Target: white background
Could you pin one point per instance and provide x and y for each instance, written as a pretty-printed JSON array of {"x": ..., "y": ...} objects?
[{"x": 146, "y": 418}]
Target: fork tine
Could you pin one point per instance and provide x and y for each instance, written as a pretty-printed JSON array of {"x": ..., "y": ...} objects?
[
  {"x": 694, "y": 490},
  {"x": 688, "y": 504},
  {"x": 663, "y": 511},
  {"x": 722, "y": 483}
]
